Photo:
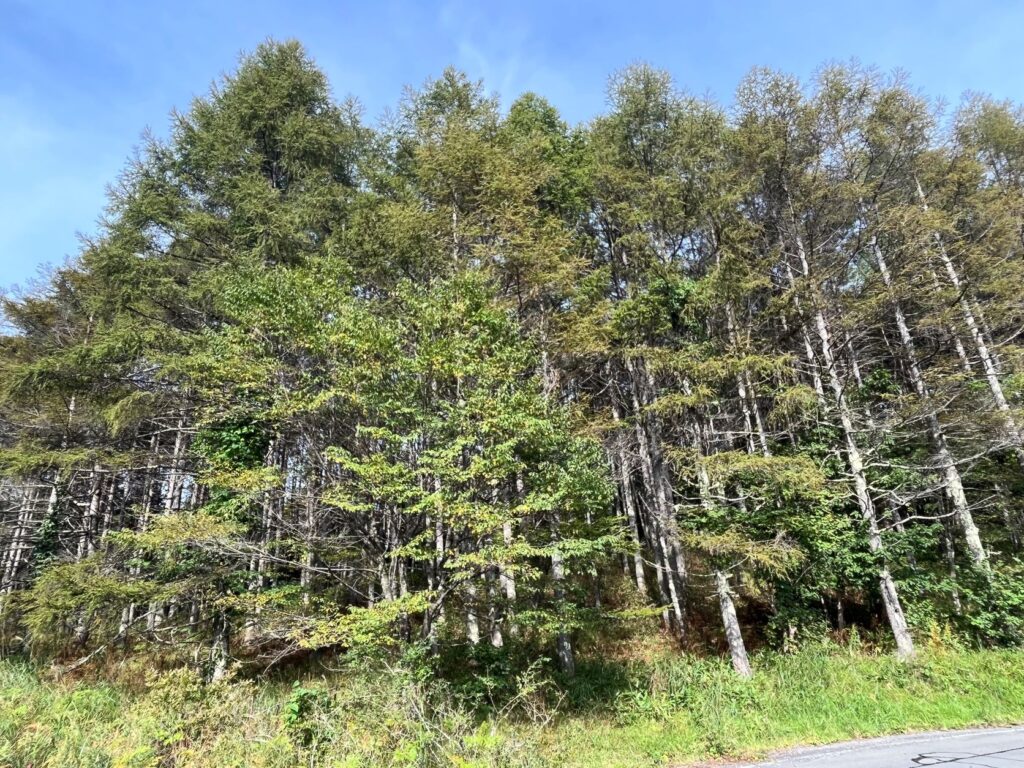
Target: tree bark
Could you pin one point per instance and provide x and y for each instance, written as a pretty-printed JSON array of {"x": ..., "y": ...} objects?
[
  {"x": 564, "y": 651},
  {"x": 887, "y": 586},
  {"x": 737, "y": 650},
  {"x": 653, "y": 471},
  {"x": 951, "y": 473},
  {"x": 988, "y": 364}
]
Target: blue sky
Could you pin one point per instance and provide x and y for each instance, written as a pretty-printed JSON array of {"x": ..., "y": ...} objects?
[{"x": 83, "y": 78}]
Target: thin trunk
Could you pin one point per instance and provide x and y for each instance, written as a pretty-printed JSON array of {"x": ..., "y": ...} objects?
[
  {"x": 737, "y": 650},
  {"x": 629, "y": 503},
  {"x": 507, "y": 582},
  {"x": 495, "y": 615},
  {"x": 434, "y": 615},
  {"x": 808, "y": 348},
  {"x": 752, "y": 420},
  {"x": 949, "y": 552},
  {"x": 219, "y": 649},
  {"x": 988, "y": 364},
  {"x": 472, "y": 622},
  {"x": 730, "y": 622},
  {"x": 564, "y": 652},
  {"x": 309, "y": 531},
  {"x": 653, "y": 471},
  {"x": 951, "y": 473},
  {"x": 887, "y": 586},
  {"x": 86, "y": 541},
  {"x": 629, "y": 507},
  {"x": 19, "y": 541}
]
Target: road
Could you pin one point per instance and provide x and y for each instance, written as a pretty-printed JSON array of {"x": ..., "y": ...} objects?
[{"x": 986, "y": 748}]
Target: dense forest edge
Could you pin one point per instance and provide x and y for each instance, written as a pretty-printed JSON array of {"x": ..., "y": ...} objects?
[{"x": 475, "y": 438}]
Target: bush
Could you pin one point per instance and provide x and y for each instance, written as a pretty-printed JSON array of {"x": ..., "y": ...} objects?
[{"x": 354, "y": 721}]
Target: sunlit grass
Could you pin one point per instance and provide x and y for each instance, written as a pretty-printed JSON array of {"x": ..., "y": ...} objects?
[
  {"x": 657, "y": 712},
  {"x": 697, "y": 708}
]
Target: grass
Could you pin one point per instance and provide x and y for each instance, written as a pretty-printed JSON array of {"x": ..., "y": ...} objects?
[
  {"x": 696, "y": 710},
  {"x": 664, "y": 711}
]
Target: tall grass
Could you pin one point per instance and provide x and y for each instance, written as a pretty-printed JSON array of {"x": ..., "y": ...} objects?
[
  {"x": 665, "y": 710},
  {"x": 178, "y": 720},
  {"x": 680, "y": 709}
]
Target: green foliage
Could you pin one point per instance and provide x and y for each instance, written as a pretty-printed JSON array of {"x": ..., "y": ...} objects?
[
  {"x": 646, "y": 713},
  {"x": 300, "y": 711},
  {"x": 455, "y": 399},
  {"x": 241, "y": 445},
  {"x": 177, "y": 719}
]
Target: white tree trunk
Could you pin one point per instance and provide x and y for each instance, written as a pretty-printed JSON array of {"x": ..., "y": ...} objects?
[
  {"x": 988, "y": 364},
  {"x": 953, "y": 482},
  {"x": 887, "y": 586},
  {"x": 564, "y": 652},
  {"x": 472, "y": 622},
  {"x": 621, "y": 463},
  {"x": 653, "y": 470},
  {"x": 737, "y": 650}
]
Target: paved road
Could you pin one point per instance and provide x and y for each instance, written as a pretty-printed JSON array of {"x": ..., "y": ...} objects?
[{"x": 987, "y": 748}]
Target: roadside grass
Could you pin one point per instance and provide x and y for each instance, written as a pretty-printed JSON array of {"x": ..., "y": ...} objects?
[
  {"x": 697, "y": 708},
  {"x": 661, "y": 711}
]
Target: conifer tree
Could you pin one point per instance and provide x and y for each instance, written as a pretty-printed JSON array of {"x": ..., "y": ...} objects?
[{"x": 476, "y": 381}]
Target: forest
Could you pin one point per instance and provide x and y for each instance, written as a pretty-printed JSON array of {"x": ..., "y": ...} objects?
[{"x": 473, "y": 394}]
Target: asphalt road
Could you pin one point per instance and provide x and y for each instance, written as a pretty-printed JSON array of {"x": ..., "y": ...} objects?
[{"x": 987, "y": 748}]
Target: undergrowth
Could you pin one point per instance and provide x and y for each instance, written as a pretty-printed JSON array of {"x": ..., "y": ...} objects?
[{"x": 661, "y": 710}]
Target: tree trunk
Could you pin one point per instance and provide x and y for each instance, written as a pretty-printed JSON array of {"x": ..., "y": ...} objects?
[
  {"x": 19, "y": 541},
  {"x": 887, "y": 586},
  {"x": 752, "y": 419},
  {"x": 472, "y": 622},
  {"x": 953, "y": 482},
  {"x": 564, "y": 652},
  {"x": 629, "y": 506},
  {"x": 988, "y": 364},
  {"x": 86, "y": 541},
  {"x": 737, "y": 650},
  {"x": 808, "y": 348},
  {"x": 219, "y": 649},
  {"x": 653, "y": 471}
]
